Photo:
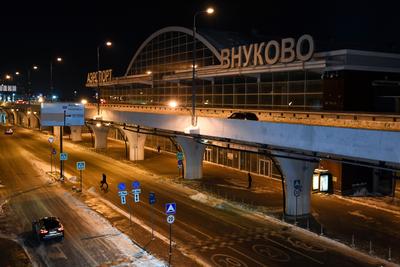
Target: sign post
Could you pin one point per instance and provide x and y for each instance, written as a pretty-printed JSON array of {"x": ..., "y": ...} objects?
[
  {"x": 51, "y": 140},
  {"x": 122, "y": 193},
  {"x": 179, "y": 157},
  {"x": 152, "y": 201},
  {"x": 80, "y": 166},
  {"x": 62, "y": 114},
  {"x": 170, "y": 210},
  {"x": 296, "y": 192}
]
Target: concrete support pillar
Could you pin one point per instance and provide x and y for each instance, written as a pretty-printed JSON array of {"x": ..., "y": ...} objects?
[
  {"x": 34, "y": 121},
  {"x": 76, "y": 133},
  {"x": 193, "y": 157},
  {"x": 136, "y": 145},
  {"x": 100, "y": 136},
  {"x": 297, "y": 172}
]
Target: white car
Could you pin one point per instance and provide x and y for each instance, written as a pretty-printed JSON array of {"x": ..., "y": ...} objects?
[{"x": 9, "y": 131}]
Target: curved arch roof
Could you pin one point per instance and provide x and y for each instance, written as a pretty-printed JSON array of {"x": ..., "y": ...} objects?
[{"x": 199, "y": 37}]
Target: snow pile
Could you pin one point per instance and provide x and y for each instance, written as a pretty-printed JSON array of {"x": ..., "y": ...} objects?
[
  {"x": 206, "y": 199},
  {"x": 73, "y": 179}
]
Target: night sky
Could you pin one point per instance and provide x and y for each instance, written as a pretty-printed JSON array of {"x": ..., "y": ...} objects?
[{"x": 33, "y": 32}]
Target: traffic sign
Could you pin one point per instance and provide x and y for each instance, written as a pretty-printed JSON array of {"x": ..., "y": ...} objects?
[
  {"x": 296, "y": 192},
  {"x": 179, "y": 155},
  {"x": 63, "y": 156},
  {"x": 297, "y": 184},
  {"x": 53, "y": 151},
  {"x": 136, "y": 184},
  {"x": 170, "y": 219},
  {"x": 180, "y": 162},
  {"x": 123, "y": 194},
  {"x": 136, "y": 191},
  {"x": 51, "y": 139},
  {"x": 121, "y": 186},
  {"x": 80, "y": 165},
  {"x": 152, "y": 198},
  {"x": 136, "y": 198},
  {"x": 170, "y": 208}
]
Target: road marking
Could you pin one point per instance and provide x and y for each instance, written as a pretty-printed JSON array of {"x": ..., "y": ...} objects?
[
  {"x": 295, "y": 251},
  {"x": 244, "y": 255}
]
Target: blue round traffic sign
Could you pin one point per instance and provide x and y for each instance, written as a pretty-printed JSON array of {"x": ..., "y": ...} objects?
[
  {"x": 136, "y": 184},
  {"x": 121, "y": 186}
]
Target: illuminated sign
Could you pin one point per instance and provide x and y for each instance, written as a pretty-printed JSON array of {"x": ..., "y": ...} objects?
[
  {"x": 104, "y": 76},
  {"x": 8, "y": 88},
  {"x": 272, "y": 52}
]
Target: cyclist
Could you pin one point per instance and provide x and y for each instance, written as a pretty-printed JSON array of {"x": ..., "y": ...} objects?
[{"x": 104, "y": 182}]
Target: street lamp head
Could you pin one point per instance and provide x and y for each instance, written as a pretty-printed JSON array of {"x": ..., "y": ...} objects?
[
  {"x": 8, "y": 77},
  {"x": 210, "y": 10},
  {"x": 148, "y": 72},
  {"x": 173, "y": 104},
  {"x": 84, "y": 101},
  {"x": 108, "y": 43},
  {"x": 35, "y": 67},
  {"x": 17, "y": 73},
  {"x": 59, "y": 59}
]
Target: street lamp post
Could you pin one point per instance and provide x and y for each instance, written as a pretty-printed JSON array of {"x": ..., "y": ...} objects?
[
  {"x": 29, "y": 89},
  {"x": 108, "y": 44},
  {"x": 208, "y": 11},
  {"x": 59, "y": 59}
]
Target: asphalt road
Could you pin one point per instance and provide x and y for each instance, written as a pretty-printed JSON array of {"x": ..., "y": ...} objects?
[
  {"x": 26, "y": 196},
  {"x": 215, "y": 236}
]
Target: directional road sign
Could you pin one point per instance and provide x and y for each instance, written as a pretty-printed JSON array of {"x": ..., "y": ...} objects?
[
  {"x": 136, "y": 191},
  {"x": 123, "y": 195},
  {"x": 53, "y": 151},
  {"x": 80, "y": 165},
  {"x": 170, "y": 208},
  {"x": 63, "y": 156},
  {"x": 170, "y": 219},
  {"x": 152, "y": 198}
]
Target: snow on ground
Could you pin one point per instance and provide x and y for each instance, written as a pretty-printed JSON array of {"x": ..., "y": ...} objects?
[
  {"x": 116, "y": 239},
  {"x": 358, "y": 213}
]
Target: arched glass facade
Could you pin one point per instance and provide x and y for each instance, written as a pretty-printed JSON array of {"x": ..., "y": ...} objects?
[{"x": 170, "y": 53}]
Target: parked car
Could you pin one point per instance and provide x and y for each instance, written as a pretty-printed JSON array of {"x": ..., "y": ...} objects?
[
  {"x": 9, "y": 131},
  {"x": 48, "y": 228},
  {"x": 243, "y": 116}
]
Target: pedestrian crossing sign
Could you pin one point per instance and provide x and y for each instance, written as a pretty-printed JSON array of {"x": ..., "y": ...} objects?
[{"x": 170, "y": 208}]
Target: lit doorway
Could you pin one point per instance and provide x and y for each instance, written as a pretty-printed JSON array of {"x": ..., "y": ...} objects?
[
  {"x": 208, "y": 154},
  {"x": 264, "y": 167}
]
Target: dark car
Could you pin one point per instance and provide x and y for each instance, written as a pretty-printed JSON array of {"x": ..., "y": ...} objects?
[
  {"x": 244, "y": 116},
  {"x": 48, "y": 228}
]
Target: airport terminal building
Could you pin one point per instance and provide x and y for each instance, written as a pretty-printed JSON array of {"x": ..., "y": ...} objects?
[{"x": 236, "y": 71}]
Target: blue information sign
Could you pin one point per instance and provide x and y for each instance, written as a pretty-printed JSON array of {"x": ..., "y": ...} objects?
[{"x": 152, "y": 198}]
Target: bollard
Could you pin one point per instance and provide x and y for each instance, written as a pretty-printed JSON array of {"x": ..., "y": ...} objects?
[
  {"x": 370, "y": 247},
  {"x": 390, "y": 254},
  {"x": 353, "y": 245},
  {"x": 322, "y": 230},
  {"x": 308, "y": 224}
]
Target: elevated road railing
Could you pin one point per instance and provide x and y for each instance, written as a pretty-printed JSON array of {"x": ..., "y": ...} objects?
[{"x": 372, "y": 121}]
